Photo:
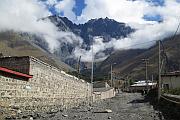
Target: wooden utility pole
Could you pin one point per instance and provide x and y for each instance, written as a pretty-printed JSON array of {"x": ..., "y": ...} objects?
[
  {"x": 159, "y": 71},
  {"x": 92, "y": 66},
  {"x": 146, "y": 72},
  {"x": 112, "y": 74},
  {"x": 92, "y": 73},
  {"x": 111, "y": 77},
  {"x": 78, "y": 68}
]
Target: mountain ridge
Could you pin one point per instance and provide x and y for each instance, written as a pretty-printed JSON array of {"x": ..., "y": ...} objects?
[{"x": 134, "y": 66}]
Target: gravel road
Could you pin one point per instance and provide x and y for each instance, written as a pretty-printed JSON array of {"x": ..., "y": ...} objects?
[{"x": 125, "y": 106}]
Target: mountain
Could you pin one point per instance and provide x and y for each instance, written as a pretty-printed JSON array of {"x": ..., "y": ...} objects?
[
  {"x": 108, "y": 28},
  {"x": 104, "y": 27},
  {"x": 24, "y": 44},
  {"x": 12, "y": 42},
  {"x": 129, "y": 62}
]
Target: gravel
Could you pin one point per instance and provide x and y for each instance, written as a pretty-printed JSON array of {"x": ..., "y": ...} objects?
[{"x": 124, "y": 106}]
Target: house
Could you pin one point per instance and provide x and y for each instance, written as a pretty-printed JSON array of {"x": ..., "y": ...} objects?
[
  {"x": 142, "y": 85},
  {"x": 171, "y": 80}
]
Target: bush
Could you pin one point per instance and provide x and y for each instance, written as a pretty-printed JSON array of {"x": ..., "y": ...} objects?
[{"x": 175, "y": 91}]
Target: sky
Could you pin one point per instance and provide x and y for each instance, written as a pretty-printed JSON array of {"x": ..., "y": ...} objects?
[
  {"x": 79, "y": 6},
  {"x": 152, "y": 19}
]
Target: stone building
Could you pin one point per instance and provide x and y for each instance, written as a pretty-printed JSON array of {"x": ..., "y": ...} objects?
[{"x": 30, "y": 84}]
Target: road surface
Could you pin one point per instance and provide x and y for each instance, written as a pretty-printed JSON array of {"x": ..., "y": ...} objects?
[{"x": 125, "y": 106}]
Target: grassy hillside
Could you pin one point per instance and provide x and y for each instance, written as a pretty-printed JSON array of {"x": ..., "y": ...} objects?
[{"x": 14, "y": 44}]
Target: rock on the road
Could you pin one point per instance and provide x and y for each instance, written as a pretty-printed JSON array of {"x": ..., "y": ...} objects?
[{"x": 124, "y": 106}]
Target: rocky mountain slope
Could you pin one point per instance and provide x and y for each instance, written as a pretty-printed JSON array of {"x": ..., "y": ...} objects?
[
  {"x": 23, "y": 44},
  {"x": 95, "y": 27},
  {"x": 106, "y": 28},
  {"x": 14, "y": 43},
  {"x": 129, "y": 62}
]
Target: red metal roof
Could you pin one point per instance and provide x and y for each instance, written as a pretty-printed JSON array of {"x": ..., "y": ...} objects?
[{"x": 15, "y": 73}]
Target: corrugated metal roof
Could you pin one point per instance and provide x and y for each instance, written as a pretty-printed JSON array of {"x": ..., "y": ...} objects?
[
  {"x": 15, "y": 73},
  {"x": 143, "y": 84}
]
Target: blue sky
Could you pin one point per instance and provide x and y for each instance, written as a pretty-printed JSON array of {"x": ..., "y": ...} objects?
[
  {"x": 134, "y": 13},
  {"x": 80, "y": 5},
  {"x": 74, "y": 8}
]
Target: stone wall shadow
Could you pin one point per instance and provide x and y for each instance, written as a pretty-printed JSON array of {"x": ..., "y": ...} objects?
[{"x": 168, "y": 110}]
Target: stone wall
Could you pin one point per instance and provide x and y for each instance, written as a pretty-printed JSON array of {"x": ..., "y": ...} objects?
[
  {"x": 20, "y": 64},
  {"x": 103, "y": 93},
  {"x": 48, "y": 88}
]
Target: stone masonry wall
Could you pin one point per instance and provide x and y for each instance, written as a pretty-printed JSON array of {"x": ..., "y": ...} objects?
[
  {"x": 20, "y": 64},
  {"x": 103, "y": 94},
  {"x": 49, "y": 88}
]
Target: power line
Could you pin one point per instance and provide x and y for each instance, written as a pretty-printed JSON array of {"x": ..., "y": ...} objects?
[
  {"x": 174, "y": 36},
  {"x": 164, "y": 55},
  {"x": 140, "y": 44}
]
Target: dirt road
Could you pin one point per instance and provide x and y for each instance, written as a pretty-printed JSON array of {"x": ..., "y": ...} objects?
[{"x": 125, "y": 106}]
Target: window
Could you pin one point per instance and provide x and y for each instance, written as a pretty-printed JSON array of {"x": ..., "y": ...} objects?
[{"x": 166, "y": 86}]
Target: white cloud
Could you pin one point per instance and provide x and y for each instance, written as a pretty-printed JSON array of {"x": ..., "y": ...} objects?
[
  {"x": 51, "y": 2},
  {"x": 25, "y": 15},
  {"x": 66, "y": 7},
  {"x": 145, "y": 32},
  {"x": 98, "y": 48},
  {"x": 120, "y": 10}
]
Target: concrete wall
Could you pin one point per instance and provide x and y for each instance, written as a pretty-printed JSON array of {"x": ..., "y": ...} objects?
[
  {"x": 48, "y": 87},
  {"x": 172, "y": 81}
]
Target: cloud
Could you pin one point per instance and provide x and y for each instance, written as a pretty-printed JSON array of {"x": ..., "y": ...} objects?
[
  {"x": 66, "y": 7},
  {"x": 25, "y": 16},
  {"x": 121, "y": 10},
  {"x": 145, "y": 33},
  {"x": 98, "y": 50},
  {"x": 51, "y": 2}
]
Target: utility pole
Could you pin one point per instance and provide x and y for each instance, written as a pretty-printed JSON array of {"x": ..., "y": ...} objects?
[
  {"x": 159, "y": 70},
  {"x": 146, "y": 72},
  {"x": 112, "y": 74},
  {"x": 92, "y": 72},
  {"x": 78, "y": 68},
  {"x": 92, "y": 65},
  {"x": 111, "y": 77}
]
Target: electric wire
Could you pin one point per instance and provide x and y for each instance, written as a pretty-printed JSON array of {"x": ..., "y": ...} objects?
[{"x": 129, "y": 47}]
